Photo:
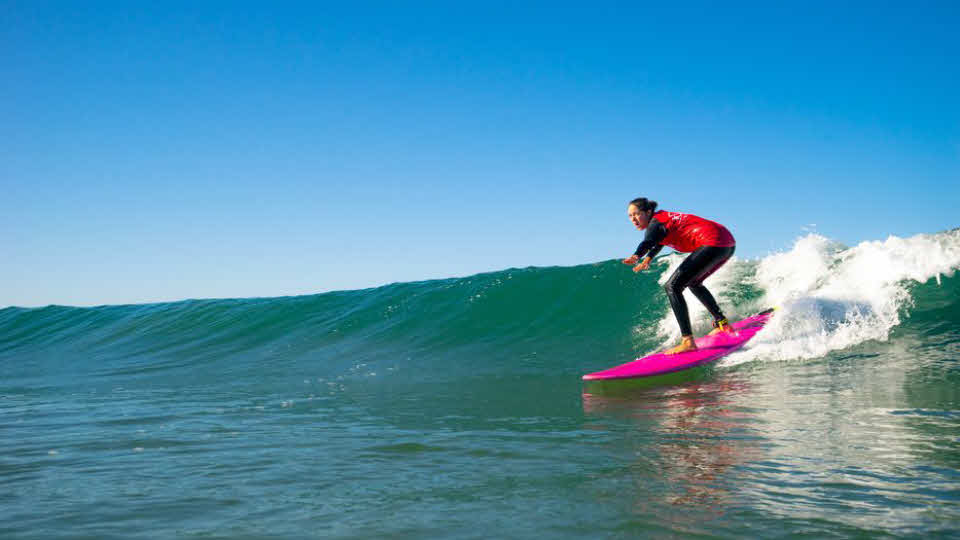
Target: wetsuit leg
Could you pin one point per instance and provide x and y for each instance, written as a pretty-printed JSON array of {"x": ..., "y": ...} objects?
[
  {"x": 701, "y": 292},
  {"x": 705, "y": 298},
  {"x": 692, "y": 271}
]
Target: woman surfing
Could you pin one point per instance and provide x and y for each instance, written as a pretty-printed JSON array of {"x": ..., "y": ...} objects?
[{"x": 711, "y": 245}]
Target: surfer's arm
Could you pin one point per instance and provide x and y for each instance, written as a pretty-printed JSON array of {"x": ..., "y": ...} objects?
[{"x": 650, "y": 246}]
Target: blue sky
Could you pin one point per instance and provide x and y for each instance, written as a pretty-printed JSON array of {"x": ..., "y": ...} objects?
[{"x": 170, "y": 151}]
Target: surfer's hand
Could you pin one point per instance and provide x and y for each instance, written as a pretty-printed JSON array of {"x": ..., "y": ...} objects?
[
  {"x": 631, "y": 260},
  {"x": 643, "y": 265}
]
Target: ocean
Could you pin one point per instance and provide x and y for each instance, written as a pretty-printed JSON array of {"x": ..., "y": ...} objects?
[{"x": 455, "y": 408}]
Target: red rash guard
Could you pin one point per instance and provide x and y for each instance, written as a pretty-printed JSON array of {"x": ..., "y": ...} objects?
[
  {"x": 682, "y": 232},
  {"x": 687, "y": 232}
]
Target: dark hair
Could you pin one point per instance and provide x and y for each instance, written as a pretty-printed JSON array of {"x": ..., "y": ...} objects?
[{"x": 644, "y": 204}]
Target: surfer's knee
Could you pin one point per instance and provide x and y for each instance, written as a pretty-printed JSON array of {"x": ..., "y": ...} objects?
[{"x": 673, "y": 287}]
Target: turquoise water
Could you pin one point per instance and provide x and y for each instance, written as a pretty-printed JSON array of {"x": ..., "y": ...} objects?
[{"x": 454, "y": 408}]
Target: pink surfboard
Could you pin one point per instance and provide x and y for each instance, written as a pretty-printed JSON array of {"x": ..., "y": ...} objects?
[{"x": 709, "y": 349}]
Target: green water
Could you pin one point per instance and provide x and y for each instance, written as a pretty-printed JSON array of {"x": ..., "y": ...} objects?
[{"x": 455, "y": 409}]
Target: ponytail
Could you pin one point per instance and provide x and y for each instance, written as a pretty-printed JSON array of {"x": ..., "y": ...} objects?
[{"x": 644, "y": 204}]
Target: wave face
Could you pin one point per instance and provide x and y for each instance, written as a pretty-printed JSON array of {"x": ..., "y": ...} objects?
[
  {"x": 567, "y": 319},
  {"x": 452, "y": 377},
  {"x": 534, "y": 315}
]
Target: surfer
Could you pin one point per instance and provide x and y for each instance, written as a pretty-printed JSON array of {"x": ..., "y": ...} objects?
[{"x": 711, "y": 245}]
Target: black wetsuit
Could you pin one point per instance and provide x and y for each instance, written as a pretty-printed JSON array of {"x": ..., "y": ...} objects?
[{"x": 703, "y": 262}]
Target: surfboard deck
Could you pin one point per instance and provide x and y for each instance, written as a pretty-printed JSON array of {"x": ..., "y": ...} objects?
[{"x": 709, "y": 349}]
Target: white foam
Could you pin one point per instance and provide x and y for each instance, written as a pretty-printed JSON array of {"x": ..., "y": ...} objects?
[{"x": 829, "y": 297}]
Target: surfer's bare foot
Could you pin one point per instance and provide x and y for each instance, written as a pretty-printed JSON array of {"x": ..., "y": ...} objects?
[
  {"x": 721, "y": 326},
  {"x": 686, "y": 344}
]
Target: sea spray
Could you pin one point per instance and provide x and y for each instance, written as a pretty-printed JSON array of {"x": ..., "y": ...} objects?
[{"x": 831, "y": 297}]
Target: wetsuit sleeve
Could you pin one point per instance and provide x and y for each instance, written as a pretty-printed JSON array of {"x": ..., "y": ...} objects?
[{"x": 656, "y": 232}]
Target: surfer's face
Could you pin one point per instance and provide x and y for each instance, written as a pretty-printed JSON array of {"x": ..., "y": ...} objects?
[{"x": 639, "y": 218}]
